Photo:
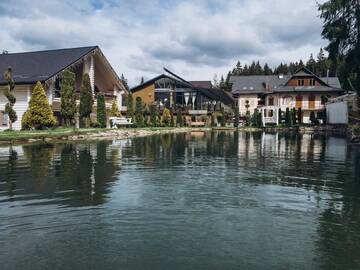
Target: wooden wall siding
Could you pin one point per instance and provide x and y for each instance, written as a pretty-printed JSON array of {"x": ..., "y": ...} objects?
[
  {"x": 311, "y": 102},
  {"x": 294, "y": 82},
  {"x": 147, "y": 94},
  {"x": 299, "y": 100}
]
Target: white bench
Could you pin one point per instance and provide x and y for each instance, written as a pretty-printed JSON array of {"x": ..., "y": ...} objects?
[{"x": 116, "y": 122}]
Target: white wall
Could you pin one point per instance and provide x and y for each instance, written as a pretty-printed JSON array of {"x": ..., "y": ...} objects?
[
  {"x": 337, "y": 113},
  {"x": 22, "y": 94},
  {"x": 253, "y": 102}
]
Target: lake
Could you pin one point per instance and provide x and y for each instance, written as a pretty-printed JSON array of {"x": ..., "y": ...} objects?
[{"x": 201, "y": 200}]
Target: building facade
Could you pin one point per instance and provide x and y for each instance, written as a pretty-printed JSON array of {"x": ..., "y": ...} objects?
[
  {"x": 47, "y": 66},
  {"x": 191, "y": 97},
  {"x": 302, "y": 90}
]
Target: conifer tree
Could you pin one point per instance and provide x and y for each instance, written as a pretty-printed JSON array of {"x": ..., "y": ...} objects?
[
  {"x": 101, "y": 110},
  {"x": 179, "y": 118},
  {"x": 166, "y": 117},
  {"x": 10, "y": 97},
  {"x": 39, "y": 114},
  {"x": 129, "y": 105},
  {"x": 114, "y": 111},
  {"x": 86, "y": 99},
  {"x": 237, "y": 117},
  {"x": 154, "y": 115},
  {"x": 139, "y": 112},
  {"x": 124, "y": 82},
  {"x": 68, "y": 99}
]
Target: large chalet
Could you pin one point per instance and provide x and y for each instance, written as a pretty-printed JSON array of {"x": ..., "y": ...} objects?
[{"x": 269, "y": 93}]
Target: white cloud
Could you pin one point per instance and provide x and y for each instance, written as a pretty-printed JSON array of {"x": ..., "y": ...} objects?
[{"x": 195, "y": 39}]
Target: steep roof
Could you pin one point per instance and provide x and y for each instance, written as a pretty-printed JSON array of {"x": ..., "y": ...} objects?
[
  {"x": 258, "y": 84},
  {"x": 201, "y": 84},
  {"x": 30, "y": 67}
]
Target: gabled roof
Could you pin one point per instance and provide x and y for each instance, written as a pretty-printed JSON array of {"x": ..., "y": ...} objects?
[
  {"x": 259, "y": 84},
  {"x": 201, "y": 84},
  {"x": 153, "y": 80},
  {"x": 30, "y": 67}
]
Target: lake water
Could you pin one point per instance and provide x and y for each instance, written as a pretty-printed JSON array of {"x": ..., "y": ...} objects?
[{"x": 221, "y": 200}]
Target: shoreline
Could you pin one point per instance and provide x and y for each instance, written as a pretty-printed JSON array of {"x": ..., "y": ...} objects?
[
  {"x": 19, "y": 137},
  {"x": 68, "y": 134}
]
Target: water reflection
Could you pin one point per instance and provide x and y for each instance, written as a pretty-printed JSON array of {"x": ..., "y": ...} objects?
[{"x": 257, "y": 199}]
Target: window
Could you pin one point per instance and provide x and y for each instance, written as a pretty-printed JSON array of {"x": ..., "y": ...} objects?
[
  {"x": 300, "y": 82},
  {"x": 57, "y": 88},
  {"x": 312, "y": 82},
  {"x": 4, "y": 119},
  {"x": 271, "y": 101}
]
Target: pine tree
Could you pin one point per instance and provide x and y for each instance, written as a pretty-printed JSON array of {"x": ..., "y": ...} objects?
[
  {"x": 101, "y": 110},
  {"x": 287, "y": 117},
  {"x": 68, "y": 99},
  {"x": 166, "y": 117},
  {"x": 142, "y": 80},
  {"x": 179, "y": 118},
  {"x": 154, "y": 115},
  {"x": 86, "y": 99},
  {"x": 237, "y": 117},
  {"x": 311, "y": 64},
  {"x": 267, "y": 70},
  {"x": 39, "y": 114},
  {"x": 130, "y": 105},
  {"x": 139, "y": 112},
  {"x": 124, "y": 82},
  {"x": 10, "y": 97}
]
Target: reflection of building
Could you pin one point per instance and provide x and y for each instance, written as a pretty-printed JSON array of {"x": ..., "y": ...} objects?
[
  {"x": 171, "y": 91},
  {"x": 273, "y": 92},
  {"x": 47, "y": 66}
]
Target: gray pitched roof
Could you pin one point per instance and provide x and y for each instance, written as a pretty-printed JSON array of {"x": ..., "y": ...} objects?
[
  {"x": 257, "y": 84},
  {"x": 30, "y": 67},
  {"x": 201, "y": 84}
]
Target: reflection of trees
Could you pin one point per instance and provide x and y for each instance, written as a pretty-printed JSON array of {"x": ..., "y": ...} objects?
[
  {"x": 339, "y": 225},
  {"x": 10, "y": 170},
  {"x": 39, "y": 158}
]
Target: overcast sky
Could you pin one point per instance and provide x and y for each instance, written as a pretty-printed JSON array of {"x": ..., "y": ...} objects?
[{"x": 195, "y": 39}]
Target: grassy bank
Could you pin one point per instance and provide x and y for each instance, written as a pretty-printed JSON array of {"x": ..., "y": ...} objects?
[{"x": 60, "y": 133}]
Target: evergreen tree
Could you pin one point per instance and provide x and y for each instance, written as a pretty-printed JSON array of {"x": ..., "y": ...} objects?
[
  {"x": 86, "y": 99},
  {"x": 154, "y": 115},
  {"x": 287, "y": 117},
  {"x": 342, "y": 29},
  {"x": 101, "y": 110},
  {"x": 68, "y": 99},
  {"x": 124, "y": 82},
  {"x": 39, "y": 114},
  {"x": 172, "y": 120},
  {"x": 139, "y": 112},
  {"x": 130, "y": 105},
  {"x": 114, "y": 111},
  {"x": 166, "y": 117},
  {"x": 179, "y": 118},
  {"x": 311, "y": 64},
  {"x": 142, "y": 80},
  {"x": 299, "y": 116},
  {"x": 267, "y": 70},
  {"x": 10, "y": 97},
  {"x": 222, "y": 83}
]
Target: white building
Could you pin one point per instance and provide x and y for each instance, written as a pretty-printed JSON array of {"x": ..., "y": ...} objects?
[{"x": 47, "y": 66}]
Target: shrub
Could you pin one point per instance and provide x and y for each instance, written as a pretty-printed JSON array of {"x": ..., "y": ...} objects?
[
  {"x": 101, "y": 111},
  {"x": 166, "y": 117},
  {"x": 299, "y": 116},
  {"x": 114, "y": 111},
  {"x": 10, "y": 97},
  {"x": 287, "y": 117},
  {"x": 68, "y": 100},
  {"x": 222, "y": 120},
  {"x": 179, "y": 118},
  {"x": 237, "y": 117},
  {"x": 154, "y": 115},
  {"x": 172, "y": 120},
  {"x": 293, "y": 116},
  {"x": 86, "y": 98},
  {"x": 139, "y": 112},
  {"x": 39, "y": 114},
  {"x": 129, "y": 106}
]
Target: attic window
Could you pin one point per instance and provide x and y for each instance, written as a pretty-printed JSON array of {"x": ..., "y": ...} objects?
[
  {"x": 312, "y": 82},
  {"x": 300, "y": 82}
]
